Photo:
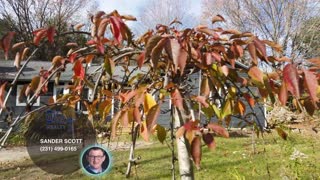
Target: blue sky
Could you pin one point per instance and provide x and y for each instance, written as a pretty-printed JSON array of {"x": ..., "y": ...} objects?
[{"x": 132, "y": 6}]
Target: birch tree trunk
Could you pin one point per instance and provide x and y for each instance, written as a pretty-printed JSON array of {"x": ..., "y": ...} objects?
[{"x": 185, "y": 163}]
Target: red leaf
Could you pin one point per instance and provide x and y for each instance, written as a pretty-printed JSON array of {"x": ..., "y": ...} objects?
[
  {"x": 191, "y": 125},
  {"x": 291, "y": 78},
  {"x": 50, "y": 34},
  {"x": 124, "y": 118},
  {"x": 177, "y": 54},
  {"x": 225, "y": 70},
  {"x": 218, "y": 129},
  {"x": 78, "y": 69},
  {"x": 238, "y": 50},
  {"x": 44, "y": 88},
  {"x": 202, "y": 100},
  {"x": 217, "y": 18},
  {"x": 157, "y": 51},
  {"x": 315, "y": 61},
  {"x": 209, "y": 140},
  {"x": 283, "y": 94},
  {"x": 196, "y": 151},
  {"x": 249, "y": 99},
  {"x": 137, "y": 115},
  {"x": 208, "y": 31},
  {"x": 208, "y": 58},
  {"x": 240, "y": 107},
  {"x": 140, "y": 59},
  {"x": 252, "y": 52},
  {"x": 144, "y": 132},
  {"x": 282, "y": 133},
  {"x": 205, "y": 88},
  {"x": 310, "y": 81},
  {"x": 6, "y": 42},
  {"x": 152, "y": 42},
  {"x": 261, "y": 46},
  {"x": 116, "y": 26},
  {"x": 242, "y": 80},
  {"x": 2, "y": 93},
  {"x": 216, "y": 56},
  {"x": 256, "y": 75},
  {"x": 125, "y": 97},
  {"x": 39, "y": 35},
  {"x": 180, "y": 132},
  {"x": 72, "y": 57},
  {"x": 177, "y": 99},
  {"x": 152, "y": 116}
]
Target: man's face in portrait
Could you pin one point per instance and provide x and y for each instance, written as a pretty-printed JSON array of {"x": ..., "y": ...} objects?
[{"x": 96, "y": 158}]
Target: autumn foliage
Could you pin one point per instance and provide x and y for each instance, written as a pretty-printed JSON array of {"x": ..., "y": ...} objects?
[{"x": 170, "y": 57}]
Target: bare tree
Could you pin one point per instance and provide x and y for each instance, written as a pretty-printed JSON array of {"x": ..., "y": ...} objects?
[
  {"x": 25, "y": 16},
  {"x": 164, "y": 12},
  {"x": 281, "y": 21}
]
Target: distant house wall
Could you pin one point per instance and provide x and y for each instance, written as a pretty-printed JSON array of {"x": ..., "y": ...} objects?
[{"x": 13, "y": 105}]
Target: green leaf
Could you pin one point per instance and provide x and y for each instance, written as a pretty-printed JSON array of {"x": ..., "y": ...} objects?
[
  {"x": 217, "y": 111},
  {"x": 109, "y": 65},
  {"x": 208, "y": 111},
  {"x": 226, "y": 109},
  {"x": 161, "y": 133},
  {"x": 134, "y": 78}
]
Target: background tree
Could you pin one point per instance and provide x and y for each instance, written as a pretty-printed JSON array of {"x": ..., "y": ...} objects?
[
  {"x": 165, "y": 12},
  {"x": 280, "y": 21},
  {"x": 170, "y": 58},
  {"x": 309, "y": 38},
  {"x": 26, "y": 16}
]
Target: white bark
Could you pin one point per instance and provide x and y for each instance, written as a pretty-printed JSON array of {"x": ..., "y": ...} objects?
[{"x": 185, "y": 163}]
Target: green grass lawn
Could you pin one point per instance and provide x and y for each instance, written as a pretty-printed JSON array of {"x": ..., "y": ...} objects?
[{"x": 234, "y": 158}]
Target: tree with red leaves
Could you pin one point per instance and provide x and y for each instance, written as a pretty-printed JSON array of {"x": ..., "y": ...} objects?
[{"x": 171, "y": 58}]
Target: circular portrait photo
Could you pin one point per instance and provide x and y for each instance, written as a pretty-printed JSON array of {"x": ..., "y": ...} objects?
[{"x": 95, "y": 160}]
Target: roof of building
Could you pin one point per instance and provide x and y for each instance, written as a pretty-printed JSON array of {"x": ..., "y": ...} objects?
[{"x": 8, "y": 71}]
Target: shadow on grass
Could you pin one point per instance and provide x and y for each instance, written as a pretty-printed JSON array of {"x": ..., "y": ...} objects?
[{"x": 239, "y": 134}]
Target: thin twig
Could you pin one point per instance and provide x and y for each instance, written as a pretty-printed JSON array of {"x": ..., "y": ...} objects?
[{"x": 13, "y": 84}]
